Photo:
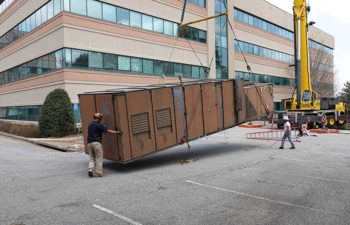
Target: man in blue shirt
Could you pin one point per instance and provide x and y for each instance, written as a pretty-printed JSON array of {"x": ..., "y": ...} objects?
[{"x": 95, "y": 130}]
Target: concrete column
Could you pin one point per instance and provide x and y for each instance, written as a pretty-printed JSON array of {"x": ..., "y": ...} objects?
[
  {"x": 211, "y": 39},
  {"x": 230, "y": 38}
]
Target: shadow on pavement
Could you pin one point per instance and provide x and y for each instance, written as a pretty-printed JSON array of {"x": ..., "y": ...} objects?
[{"x": 175, "y": 155}]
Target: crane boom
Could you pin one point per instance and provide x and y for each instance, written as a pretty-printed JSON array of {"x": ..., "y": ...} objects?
[
  {"x": 302, "y": 69},
  {"x": 306, "y": 98}
]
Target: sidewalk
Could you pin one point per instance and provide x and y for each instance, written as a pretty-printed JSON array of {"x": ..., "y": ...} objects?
[{"x": 65, "y": 144}]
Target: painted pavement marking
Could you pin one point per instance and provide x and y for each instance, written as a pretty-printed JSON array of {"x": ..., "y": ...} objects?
[{"x": 126, "y": 219}]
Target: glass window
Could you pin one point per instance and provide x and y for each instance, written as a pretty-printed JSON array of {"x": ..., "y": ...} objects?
[
  {"x": 245, "y": 18},
  {"x": 158, "y": 68},
  {"x": 240, "y": 16},
  {"x": 147, "y": 22},
  {"x": 79, "y": 58},
  {"x": 168, "y": 28},
  {"x": 52, "y": 61},
  {"x": 250, "y": 20},
  {"x": 95, "y": 60},
  {"x": 45, "y": 63},
  {"x": 110, "y": 62},
  {"x": 44, "y": 14},
  {"x": 94, "y": 9},
  {"x": 109, "y": 13},
  {"x": 56, "y": 7},
  {"x": 123, "y": 63},
  {"x": 59, "y": 59},
  {"x": 50, "y": 10},
  {"x": 78, "y": 6},
  {"x": 147, "y": 66},
  {"x": 38, "y": 17},
  {"x": 136, "y": 65},
  {"x": 223, "y": 41},
  {"x": 187, "y": 70},
  {"x": 195, "y": 71},
  {"x": 235, "y": 13},
  {"x": 169, "y": 68},
  {"x": 135, "y": 19},
  {"x": 202, "y": 74},
  {"x": 66, "y": 5},
  {"x": 32, "y": 22},
  {"x": 123, "y": 16},
  {"x": 68, "y": 57},
  {"x": 158, "y": 25},
  {"x": 176, "y": 29},
  {"x": 203, "y": 37}
]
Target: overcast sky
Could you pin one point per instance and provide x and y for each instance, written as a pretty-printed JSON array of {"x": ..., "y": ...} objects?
[{"x": 332, "y": 17}]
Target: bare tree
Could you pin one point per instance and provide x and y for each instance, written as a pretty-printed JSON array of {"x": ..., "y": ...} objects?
[{"x": 321, "y": 72}]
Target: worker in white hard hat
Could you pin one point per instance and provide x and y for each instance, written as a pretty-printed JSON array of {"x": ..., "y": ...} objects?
[
  {"x": 287, "y": 133},
  {"x": 95, "y": 130}
]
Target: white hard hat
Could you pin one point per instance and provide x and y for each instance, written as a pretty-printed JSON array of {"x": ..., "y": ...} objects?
[{"x": 285, "y": 118}]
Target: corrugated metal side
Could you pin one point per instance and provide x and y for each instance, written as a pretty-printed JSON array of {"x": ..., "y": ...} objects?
[
  {"x": 219, "y": 105},
  {"x": 228, "y": 103},
  {"x": 180, "y": 117},
  {"x": 164, "y": 117},
  {"x": 123, "y": 125},
  {"x": 141, "y": 125},
  {"x": 104, "y": 105},
  {"x": 87, "y": 111},
  {"x": 210, "y": 107},
  {"x": 194, "y": 114}
]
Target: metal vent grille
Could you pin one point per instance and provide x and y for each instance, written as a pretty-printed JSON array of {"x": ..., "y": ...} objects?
[
  {"x": 163, "y": 118},
  {"x": 140, "y": 123}
]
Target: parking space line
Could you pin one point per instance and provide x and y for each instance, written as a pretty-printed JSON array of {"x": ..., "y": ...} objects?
[
  {"x": 262, "y": 198},
  {"x": 296, "y": 175},
  {"x": 126, "y": 219},
  {"x": 311, "y": 161},
  {"x": 329, "y": 153}
]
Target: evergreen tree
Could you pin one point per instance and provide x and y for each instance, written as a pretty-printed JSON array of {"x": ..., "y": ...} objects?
[
  {"x": 345, "y": 92},
  {"x": 56, "y": 118}
]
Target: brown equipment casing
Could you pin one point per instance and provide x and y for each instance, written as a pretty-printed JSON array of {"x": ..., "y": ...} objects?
[{"x": 157, "y": 117}]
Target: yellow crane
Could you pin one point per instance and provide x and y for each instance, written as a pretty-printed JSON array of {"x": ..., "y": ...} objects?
[
  {"x": 307, "y": 103},
  {"x": 306, "y": 98}
]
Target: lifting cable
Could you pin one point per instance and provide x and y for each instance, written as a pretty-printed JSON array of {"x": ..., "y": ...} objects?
[{"x": 267, "y": 111}]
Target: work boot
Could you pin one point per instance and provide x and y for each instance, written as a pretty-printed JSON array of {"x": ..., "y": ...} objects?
[
  {"x": 281, "y": 147},
  {"x": 100, "y": 175},
  {"x": 292, "y": 147},
  {"x": 91, "y": 174}
]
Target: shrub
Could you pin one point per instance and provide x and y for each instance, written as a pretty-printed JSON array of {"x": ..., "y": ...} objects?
[
  {"x": 56, "y": 118},
  {"x": 29, "y": 131}
]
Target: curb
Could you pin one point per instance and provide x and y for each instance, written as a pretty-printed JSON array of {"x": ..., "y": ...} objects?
[
  {"x": 250, "y": 126},
  {"x": 56, "y": 147},
  {"x": 323, "y": 131}
]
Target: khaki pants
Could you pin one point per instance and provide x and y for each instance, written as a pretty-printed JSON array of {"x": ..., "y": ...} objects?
[{"x": 96, "y": 157}]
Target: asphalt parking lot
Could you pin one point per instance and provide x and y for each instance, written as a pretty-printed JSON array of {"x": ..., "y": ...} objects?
[{"x": 232, "y": 180}]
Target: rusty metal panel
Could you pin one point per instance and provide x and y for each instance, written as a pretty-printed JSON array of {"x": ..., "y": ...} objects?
[
  {"x": 219, "y": 105},
  {"x": 163, "y": 111},
  {"x": 267, "y": 93},
  {"x": 180, "y": 113},
  {"x": 252, "y": 103},
  {"x": 194, "y": 114},
  {"x": 210, "y": 107},
  {"x": 87, "y": 111},
  {"x": 123, "y": 125},
  {"x": 228, "y": 103},
  {"x": 141, "y": 125},
  {"x": 241, "y": 99},
  {"x": 105, "y": 105},
  {"x": 259, "y": 101}
]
